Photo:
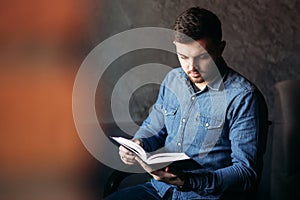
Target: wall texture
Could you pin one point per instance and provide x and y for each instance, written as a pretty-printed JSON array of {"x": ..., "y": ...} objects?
[{"x": 262, "y": 36}]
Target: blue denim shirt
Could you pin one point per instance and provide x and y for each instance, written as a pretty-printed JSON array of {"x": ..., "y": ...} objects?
[{"x": 219, "y": 127}]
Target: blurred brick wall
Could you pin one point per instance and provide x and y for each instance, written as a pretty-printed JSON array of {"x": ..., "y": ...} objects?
[{"x": 42, "y": 46}]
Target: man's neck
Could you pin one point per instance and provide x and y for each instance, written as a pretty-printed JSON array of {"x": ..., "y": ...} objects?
[{"x": 202, "y": 85}]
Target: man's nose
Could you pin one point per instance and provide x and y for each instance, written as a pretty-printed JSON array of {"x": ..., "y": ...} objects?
[{"x": 192, "y": 64}]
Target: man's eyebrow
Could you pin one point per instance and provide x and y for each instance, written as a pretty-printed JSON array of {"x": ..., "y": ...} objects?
[
  {"x": 201, "y": 54},
  {"x": 181, "y": 54}
]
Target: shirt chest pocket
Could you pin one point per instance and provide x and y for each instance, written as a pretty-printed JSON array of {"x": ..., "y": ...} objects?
[
  {"x": 210, "y": 123},
  {"x": 213, "y": 127},
  {"x": 171, "y": 116}
]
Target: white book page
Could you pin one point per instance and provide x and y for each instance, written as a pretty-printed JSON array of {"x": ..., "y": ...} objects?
[
  {"x": 166, "y": 157},
  {"x": 132, "y": 146}
]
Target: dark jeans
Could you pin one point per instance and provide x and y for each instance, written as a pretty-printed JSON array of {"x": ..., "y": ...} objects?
[
  {"x": 147, "y": 192},
  {"x": 139, "y": 192}
]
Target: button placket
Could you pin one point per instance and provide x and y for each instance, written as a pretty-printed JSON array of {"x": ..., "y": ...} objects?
[{"x": 184, "y": 120}]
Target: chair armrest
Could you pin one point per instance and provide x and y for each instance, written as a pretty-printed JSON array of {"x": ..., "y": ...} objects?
[{"x": 114, "y": 181}]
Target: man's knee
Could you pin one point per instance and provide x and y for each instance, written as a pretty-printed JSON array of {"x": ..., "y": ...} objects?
[{"x": 138, "y": 192}]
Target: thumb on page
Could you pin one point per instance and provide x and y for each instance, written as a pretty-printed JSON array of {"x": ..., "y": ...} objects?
[{"x": 146, "y": 167}]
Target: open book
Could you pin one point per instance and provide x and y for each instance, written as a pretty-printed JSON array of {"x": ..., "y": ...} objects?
[{"x": 146, "y": 157}]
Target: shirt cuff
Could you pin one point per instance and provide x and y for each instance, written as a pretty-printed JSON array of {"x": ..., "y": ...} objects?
[{"x": 188, "y": 183}]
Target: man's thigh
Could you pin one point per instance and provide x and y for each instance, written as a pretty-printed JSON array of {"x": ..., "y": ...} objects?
[{"x": 138, "y": 192}]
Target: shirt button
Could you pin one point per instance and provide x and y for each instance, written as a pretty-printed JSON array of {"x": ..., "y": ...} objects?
[
  {"x": 193, "y": 98},
  {"x": 179, "y": 144},
  {"x": 206, "y": 124},
  {"x": 183, "y": 120}
]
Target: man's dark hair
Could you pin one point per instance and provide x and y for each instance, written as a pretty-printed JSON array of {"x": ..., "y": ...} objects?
[{"x": 197, "y": 23}]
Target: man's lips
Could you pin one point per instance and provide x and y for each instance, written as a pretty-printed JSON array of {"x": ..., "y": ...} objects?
[{"x": 195, "y": 74}]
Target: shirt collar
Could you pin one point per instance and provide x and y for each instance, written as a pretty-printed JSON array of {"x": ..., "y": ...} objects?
[{"x": 217, "y": 83}]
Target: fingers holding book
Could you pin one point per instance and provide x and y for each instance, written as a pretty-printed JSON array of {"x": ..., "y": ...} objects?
[
  {"x": 126, "y": 155},
  {"x": 162, "y": 174}
]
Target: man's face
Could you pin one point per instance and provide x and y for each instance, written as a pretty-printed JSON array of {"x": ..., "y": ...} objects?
[{"x": 197, "y": 59}]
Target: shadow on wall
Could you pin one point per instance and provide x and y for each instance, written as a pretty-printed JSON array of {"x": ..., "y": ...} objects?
[{"x": 266, "y": 78}]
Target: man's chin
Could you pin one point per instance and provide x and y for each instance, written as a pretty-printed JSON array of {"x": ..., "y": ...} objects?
[{"x": 197, "y": 80}]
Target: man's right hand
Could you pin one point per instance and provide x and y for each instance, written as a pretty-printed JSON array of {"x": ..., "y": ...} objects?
[{"x": 127, "y": 156}]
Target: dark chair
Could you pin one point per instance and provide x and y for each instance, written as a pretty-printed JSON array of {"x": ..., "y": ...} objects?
[
  {"x": 120, "y": 179},
  {"x": 285, "y": 169}
]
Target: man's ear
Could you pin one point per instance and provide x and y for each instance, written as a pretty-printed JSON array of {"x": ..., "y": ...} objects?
[{"x": 222, "y": 46}]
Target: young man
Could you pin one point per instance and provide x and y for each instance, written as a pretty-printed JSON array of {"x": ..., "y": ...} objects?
[{"x": 210, "y": 112}]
